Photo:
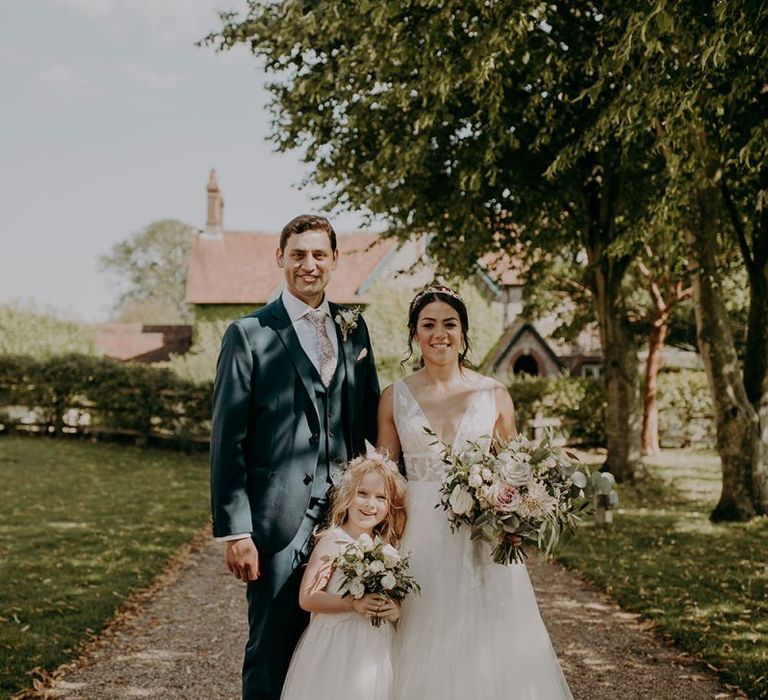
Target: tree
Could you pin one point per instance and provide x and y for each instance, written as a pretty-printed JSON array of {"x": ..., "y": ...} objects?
[
  {"x": 151, "y": 266},
  {"x": 451, "y": 119},
  {"x": 699, "y": 80},
  {"x": 28, "y": 329}
]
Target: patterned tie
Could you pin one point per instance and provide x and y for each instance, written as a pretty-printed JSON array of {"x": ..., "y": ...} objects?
[{"x": 325, "y": 353}]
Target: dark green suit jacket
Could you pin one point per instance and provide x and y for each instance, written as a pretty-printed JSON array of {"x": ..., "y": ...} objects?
[{"x": 265, "y": 431}]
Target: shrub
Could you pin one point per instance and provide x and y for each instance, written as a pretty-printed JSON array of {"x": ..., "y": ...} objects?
[{"x": 91, "y": 395}]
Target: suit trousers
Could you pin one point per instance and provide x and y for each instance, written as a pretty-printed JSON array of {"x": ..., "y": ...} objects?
[{"x": 275, "y": 620}]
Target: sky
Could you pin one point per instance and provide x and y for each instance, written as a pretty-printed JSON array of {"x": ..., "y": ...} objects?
[{"x": 111, "y": 118}]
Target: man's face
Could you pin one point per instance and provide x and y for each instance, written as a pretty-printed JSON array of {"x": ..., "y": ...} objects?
[{"x": 307, "y": 263}]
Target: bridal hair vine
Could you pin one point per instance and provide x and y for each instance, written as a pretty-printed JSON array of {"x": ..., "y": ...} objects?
[
  {"x": 372, "y": 454},
  {"x": 436, "y": 289}
]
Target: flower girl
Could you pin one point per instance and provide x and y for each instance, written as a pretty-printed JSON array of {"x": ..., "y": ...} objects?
[{"x": 342, "y": 656}]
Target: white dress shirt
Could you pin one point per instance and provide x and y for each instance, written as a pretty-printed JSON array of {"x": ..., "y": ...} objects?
[{"x": 305, "y": 330}]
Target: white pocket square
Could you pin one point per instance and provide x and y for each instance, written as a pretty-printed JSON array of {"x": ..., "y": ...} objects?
[{"x": 363, "y": 354}]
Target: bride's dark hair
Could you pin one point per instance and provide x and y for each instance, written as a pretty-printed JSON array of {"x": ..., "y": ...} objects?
[{"x": 438, "y": 292}]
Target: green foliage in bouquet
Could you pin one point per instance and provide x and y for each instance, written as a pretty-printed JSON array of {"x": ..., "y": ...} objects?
[
  {"x": 522, "y": 491},
  {"x": 369, "y": 565}
]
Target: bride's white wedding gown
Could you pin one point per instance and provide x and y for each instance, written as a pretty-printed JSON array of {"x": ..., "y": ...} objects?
[{"x": 475, "y": 631}]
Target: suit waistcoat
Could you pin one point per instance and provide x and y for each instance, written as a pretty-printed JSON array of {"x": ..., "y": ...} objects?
[{"x": 332, "y": 447}]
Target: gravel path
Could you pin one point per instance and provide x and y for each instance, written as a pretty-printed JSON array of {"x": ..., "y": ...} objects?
[{"x": 186, "y": 642}]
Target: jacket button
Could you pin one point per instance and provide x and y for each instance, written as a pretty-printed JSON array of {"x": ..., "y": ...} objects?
[
  {"x": 307, "y": 479},
  {"x": 313, "y": 440}
]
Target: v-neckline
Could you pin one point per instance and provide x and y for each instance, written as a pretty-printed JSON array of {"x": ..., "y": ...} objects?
[{"x": 459, "y": 425}]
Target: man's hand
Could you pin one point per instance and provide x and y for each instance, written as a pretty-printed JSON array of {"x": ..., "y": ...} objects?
[{"x": 242, "y": 559}]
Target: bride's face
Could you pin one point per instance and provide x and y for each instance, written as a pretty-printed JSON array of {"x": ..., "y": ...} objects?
[{"x": 439, "y": 334}]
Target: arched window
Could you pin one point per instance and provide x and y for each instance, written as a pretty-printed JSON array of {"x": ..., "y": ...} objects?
[{"x": 526, "y": 364}]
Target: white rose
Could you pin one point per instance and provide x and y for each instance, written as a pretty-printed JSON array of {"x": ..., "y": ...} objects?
[
  {"x": 376, "y": 567},
  {"x": 475, "y": 480},
  {"x": 388, "y": 581},
  {"x": 472, "y": 456},
  {"x": 356, "y": 588},
  {"x": 365, "y": 542},
  {"x": 391, "y": 555},
  {"x": 461, "y": 501},
  {"x": 359, "y": 568},
  {"x": 487, "y": 474},
  {"x": 514, "y": 472}
]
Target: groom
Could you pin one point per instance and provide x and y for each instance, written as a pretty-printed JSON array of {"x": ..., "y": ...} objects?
[{"x": 295, "y": 396}]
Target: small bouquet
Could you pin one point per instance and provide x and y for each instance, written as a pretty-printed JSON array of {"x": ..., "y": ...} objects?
[
  {"x": 525, "y": 491},
  {"x": 368, "y": 565}
]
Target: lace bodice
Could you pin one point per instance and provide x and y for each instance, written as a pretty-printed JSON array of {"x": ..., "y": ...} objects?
[{"x": 422, "y": 458}]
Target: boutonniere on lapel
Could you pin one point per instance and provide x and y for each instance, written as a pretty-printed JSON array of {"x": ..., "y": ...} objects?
[{"x": 347, "y": 320}]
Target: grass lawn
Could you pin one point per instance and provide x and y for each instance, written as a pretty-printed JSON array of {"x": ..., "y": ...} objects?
[
  {"x": 705, "y": 585},
  {"x": 82, "y": 526}
]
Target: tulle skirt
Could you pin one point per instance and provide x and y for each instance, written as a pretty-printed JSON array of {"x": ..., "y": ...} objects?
[
  {"x": 341, "y": 657},
  {"x": 475, "y": 631}
]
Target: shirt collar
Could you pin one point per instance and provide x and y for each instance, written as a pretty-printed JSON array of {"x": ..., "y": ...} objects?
[{"x": 297, "y": 309}]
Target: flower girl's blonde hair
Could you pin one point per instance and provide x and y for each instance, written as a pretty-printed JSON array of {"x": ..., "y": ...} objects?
[{"x": 391, "y": 528}]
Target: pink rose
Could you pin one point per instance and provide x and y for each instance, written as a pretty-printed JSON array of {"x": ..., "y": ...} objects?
[{"x": 503, "y": 497}]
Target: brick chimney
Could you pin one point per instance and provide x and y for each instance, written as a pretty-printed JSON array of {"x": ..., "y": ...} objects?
[{"x": 214, "y": 226}]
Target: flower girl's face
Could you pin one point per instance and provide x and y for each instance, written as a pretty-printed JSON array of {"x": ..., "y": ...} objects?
[
  {"x": 369, "y": 505},
  {"x": 438, "y": 332}
]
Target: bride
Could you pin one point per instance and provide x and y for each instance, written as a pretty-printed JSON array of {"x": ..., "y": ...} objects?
[{"x": 475, "y": 631}]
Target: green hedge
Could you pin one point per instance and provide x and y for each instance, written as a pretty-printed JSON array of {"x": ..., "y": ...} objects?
[
  {"x": 685, "y": 407},
  {"x": 578, "y": 402},
  {"x": 92, "y": 395}
]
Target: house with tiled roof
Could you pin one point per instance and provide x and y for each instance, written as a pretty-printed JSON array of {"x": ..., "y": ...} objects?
[
  {"x": 234, "y": 272},
  {"x": 141, "y": 342}
]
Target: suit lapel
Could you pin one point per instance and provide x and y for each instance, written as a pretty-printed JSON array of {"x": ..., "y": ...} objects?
[
  {"x": 347, "y": 355},
  {"x": 284, "y": 329}
]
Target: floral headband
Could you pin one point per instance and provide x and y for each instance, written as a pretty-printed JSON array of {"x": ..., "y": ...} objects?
[
  {"x": 432, "y": 289},
  {"x": 372, "y": 454}
]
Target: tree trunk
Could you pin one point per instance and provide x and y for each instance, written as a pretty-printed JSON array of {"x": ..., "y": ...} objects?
[
  {"x": 650, "y": 435},
  {"x": 737, "y": 423},
  {"x": 622, "y": 379}
]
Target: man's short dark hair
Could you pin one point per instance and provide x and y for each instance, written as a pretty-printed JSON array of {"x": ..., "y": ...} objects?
[{"x": 307, "y": 222}]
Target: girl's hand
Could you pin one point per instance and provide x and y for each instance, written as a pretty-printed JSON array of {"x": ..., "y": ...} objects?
[{"x": 369, "y": 605}]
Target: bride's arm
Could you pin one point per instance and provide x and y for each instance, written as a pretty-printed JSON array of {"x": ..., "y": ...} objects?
[
  {"x": 387, "y": 432},
  {"x": 505, "y": 428}
]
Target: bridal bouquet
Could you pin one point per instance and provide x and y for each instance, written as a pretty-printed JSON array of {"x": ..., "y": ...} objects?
[
  {"x": 526, "y": 491},
  {"x": 368, "y": 565}
]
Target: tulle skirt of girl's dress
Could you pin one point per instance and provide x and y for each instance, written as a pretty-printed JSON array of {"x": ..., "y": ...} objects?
[
  {"x": 341, "y": 657},
  {"x": 475, "y": 632}
]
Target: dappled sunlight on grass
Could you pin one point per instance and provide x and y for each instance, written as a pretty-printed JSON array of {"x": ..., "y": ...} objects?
[
  {"x": 81, "y": 527},
  {"x": 705, "y": 585}
]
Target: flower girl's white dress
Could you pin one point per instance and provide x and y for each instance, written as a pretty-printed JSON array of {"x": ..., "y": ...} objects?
[
  {"x": 341, "y": 656},
  {"x": 475, "y": 631}
]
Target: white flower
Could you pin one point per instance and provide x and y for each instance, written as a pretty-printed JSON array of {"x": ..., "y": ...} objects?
[
  {"x": 376, "y": 566},
  {"x": 513, "y": 470},
  {"x": 537, "y": 502},
  {"x": 487, "y": 474},
  {"x": 388, "y": 581},
  {"x": 472, "y": 456},
  {"x": 475, "y": 480},
  {"x": 461, "y": 500},
  {"x": 365, "y": 542},
  {"x": 356, "y": 588},
  {"x": 347, "y": 320},
  {"x": 391, "y": 555},
  {"x": 359, "y": 568}
]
